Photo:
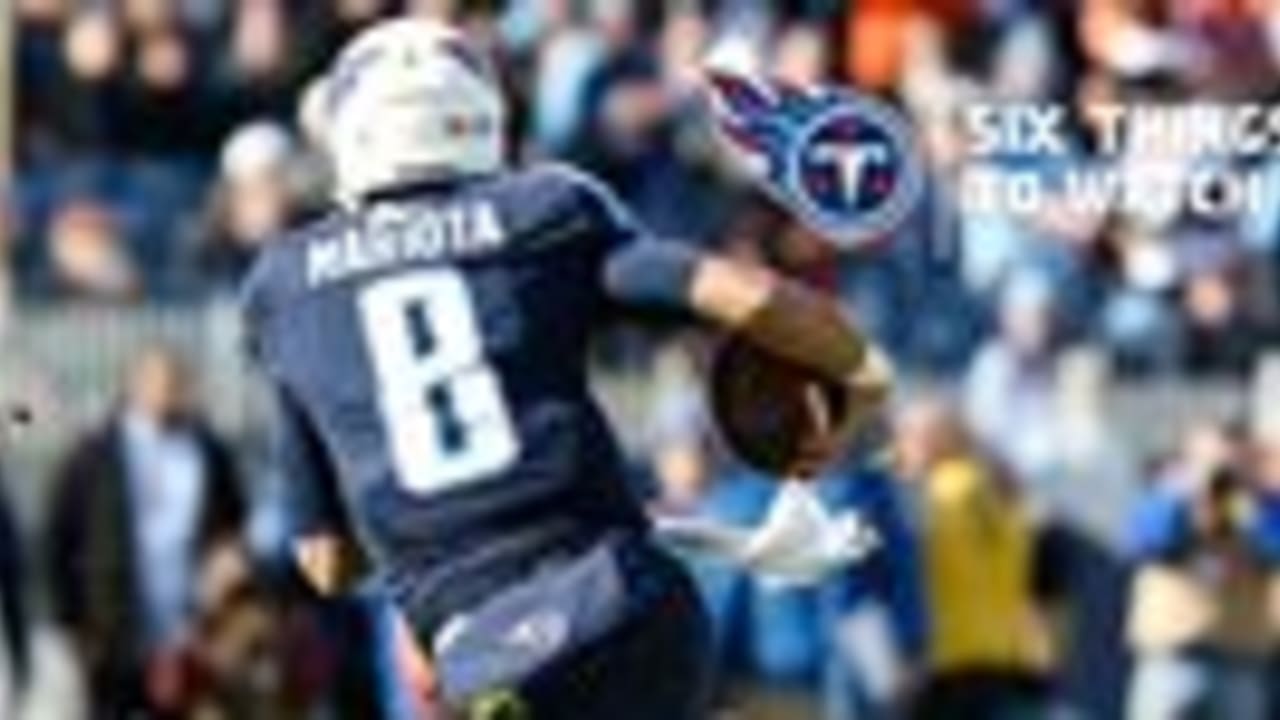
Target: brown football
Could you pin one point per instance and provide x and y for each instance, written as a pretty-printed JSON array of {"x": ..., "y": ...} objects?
[{"x": 769, "y": 409}]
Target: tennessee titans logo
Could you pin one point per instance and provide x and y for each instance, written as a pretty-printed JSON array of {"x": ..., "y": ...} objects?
[{"x": 842, "y": 161}]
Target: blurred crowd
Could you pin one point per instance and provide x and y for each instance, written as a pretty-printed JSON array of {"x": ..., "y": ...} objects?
[
  {"x": 161, "y": 575},
  {"x": 980, "y": 602},
  {"x": 160, "y": 142},
  {"x": 166, "y": 588}
]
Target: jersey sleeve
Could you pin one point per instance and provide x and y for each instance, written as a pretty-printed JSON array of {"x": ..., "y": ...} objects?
[
  {"x": 580, "y": 202},
  {"x": 311, "y": 486},
  {"x": 652, "y": 274},
  {"x": 637, "y": 269}
]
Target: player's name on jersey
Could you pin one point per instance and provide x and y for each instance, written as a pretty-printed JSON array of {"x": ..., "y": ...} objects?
[{"x": 384, "y": 236}]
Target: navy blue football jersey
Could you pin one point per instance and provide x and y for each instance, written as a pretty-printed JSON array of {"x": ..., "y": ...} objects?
[{"x": 429, "y": 350}]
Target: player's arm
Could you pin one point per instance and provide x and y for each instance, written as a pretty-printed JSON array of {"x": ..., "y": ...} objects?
[
  {"x": 318, "y": 527},
  {"x": 778, "y": 314},
  {"x": 322, "y": 545},
  {"x": 788, "y": 319}
]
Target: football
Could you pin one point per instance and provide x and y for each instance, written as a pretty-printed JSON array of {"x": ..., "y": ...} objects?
[{"x": 771, "y": 412}]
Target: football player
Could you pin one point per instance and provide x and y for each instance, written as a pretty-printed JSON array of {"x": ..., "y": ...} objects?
[{"x": 427, "y": 342}]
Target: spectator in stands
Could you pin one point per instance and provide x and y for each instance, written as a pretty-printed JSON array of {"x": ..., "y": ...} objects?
[
  {"x": 1265, "y": 465},
  {"x": 38, "y": 25},
  {"x": 171, "y": 114},
  {"x": 14, "y": 621},
  {"x": 90, "y": 259},
  {"x": 1138, "y": 325},
  {"x": 1222, "y": 337},
  {"x": 877, "y": 42},
  {"x": 800, "y": 57},
  {"x": 143, "y": 17},
  {"x": 631, "y": 125},
  {"x": 77, "y": 99},
  {"x": 1202, "y": 616},
  {"x": 258, "y": 78},
  {"x": 38, "y": 15},
  {"x": 147, "y": 510},
  {"x": 334, "y": 23},
  {"x": 1219, "y": 48},
  {"x": 1010, "y": 387},
  {"x": 253, "y": 204},
  {"x": 989, "y": 654},
  {"x": 875, "y": 615},
  {"x": 682, "y": 46},
  {"x": 565, "y": 61}
]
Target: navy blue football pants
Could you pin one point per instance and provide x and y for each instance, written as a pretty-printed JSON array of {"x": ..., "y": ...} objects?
[{"x": 655, "y": 666}]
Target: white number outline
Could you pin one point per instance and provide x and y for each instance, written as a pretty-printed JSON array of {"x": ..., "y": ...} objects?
[{"x": 455, "y": 363}]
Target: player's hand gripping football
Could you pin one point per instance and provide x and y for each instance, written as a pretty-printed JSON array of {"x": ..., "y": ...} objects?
[
  {"x": 786, "y": 420},
  {"x": 835, "y": 425}
]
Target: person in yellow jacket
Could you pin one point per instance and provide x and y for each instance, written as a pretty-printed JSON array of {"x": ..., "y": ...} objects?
[{"x": 989, "y": 655}]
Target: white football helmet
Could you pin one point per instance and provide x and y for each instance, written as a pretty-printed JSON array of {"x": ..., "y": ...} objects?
[{"x": 410, "y": 99}]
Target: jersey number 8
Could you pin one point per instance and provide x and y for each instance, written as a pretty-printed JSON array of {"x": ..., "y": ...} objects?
[{"x": 442, "y": 406}]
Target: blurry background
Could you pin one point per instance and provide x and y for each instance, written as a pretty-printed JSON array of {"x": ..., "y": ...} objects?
[{"x": 1081, "y": 511}]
